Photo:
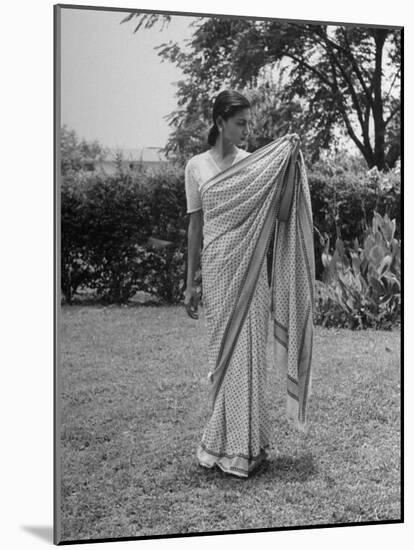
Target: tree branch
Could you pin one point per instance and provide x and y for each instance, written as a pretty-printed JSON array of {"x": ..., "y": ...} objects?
[
  {"x": 348, "y": 53},
  {"x": 310, "y": 68},
  {"x": 345, "y": 117},
  {"x": 364, "y": 122},
  {"x": 392, "y": 84},
  {"x": 393, "y": 113},
  {"x": 327, "y": 42},
  {"x": 368, "y": 92}
]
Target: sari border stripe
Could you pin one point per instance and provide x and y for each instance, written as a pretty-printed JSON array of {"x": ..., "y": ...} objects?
[
  {"x": 281, "y": 335},
  {"x": 293, "y": 380},
  {"x": 237, "y": 465},
  {"x": 219, "y": 454},
  {"x": 280, "y": 342},
  {"x": 308, "y": 372},
  {"x": 278, "y": 323},
  {"x": 304, "y": 329},
  {"x": 305, "y": 254},
  {"x": 275, "y": 144},
  {"x": 236, "y": 309},
  {"x": 305, "y": 202},
  {"x": 293, "y": 396}
]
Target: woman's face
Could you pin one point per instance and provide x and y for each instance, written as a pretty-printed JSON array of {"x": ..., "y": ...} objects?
[{"x": 236, "y": 128}]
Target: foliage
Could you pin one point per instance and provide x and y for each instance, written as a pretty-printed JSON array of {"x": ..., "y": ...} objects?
[
  {"x": 361, "y": 286},
  {"x": 166, "y": 203},
  {"x": 76, "y": 268},
  {"x": 78, "y": 154},
  {"x": 164, "y": 272},
  {"x": 271, "y": 116},
  {"x": 106, "y": 225},
  {"x": 337, "y": 77},
  {"x": 127, "y": 232},
  {"x": 103, "y": 218},
  {"x": 345, "y": 195}
]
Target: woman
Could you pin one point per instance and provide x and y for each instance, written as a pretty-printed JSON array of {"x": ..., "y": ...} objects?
[{"x": 233, "y": 200}]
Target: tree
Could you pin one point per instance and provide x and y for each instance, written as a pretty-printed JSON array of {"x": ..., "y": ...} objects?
[
  {"x": 333, "y": 76},
  {"x": 78, "y": 154}
]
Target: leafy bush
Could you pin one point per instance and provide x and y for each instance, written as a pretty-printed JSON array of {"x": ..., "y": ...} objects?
[
  {"x": 127, "y": 232},
  {"x": 361, "y": 286},
  {"x": 344, "y": 197},
  {"x": 107, "y": 222},
  {"x": 166, "y": 204},
  {"x": 76, "y": 267},
  {"x": 164, "y": 275}
]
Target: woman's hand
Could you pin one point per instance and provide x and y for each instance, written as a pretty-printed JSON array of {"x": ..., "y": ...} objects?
[{"x": 191, "y": 300}]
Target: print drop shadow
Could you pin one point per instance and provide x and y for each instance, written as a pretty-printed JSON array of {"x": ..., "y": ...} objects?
[{"x": 43, "y": 532}]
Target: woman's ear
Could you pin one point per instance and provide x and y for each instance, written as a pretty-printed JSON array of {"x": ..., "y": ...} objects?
[{"x": 219, "y": 122}]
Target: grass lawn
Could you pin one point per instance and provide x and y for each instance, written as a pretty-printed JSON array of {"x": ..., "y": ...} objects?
[{"x": 134, "y": 404}]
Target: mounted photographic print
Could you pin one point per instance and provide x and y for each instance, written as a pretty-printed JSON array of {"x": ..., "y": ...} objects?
[{"x": 227, "y": 274}]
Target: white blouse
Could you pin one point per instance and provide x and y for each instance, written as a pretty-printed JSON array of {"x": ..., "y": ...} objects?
[{"x": 199, "y": 169}]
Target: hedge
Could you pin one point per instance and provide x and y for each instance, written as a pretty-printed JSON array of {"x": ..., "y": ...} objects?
[{"x": 107, "y": 223}]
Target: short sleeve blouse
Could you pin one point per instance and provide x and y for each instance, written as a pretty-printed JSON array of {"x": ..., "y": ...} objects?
[
  {"x": 192, "y": 182},
  {"x": 199, "y": 169}
]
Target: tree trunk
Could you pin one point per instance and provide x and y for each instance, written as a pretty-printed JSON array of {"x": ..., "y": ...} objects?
[
  {"x": 378, "y": 110},
  {"x": 394, "y": 152}
]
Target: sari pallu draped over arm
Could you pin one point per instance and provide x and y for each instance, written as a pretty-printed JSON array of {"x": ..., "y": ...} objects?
[{"x": 266, "y": 194}]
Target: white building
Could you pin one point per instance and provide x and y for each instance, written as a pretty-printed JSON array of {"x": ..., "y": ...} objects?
[{"x": 131, "y": 159}]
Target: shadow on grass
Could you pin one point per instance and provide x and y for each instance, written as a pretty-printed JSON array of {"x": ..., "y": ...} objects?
[
  {"x": 286, "y": 468},
  {"x": 283, "y": 468}
]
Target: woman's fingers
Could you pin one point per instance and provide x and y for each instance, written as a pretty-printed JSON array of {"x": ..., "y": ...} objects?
[
  {"x": 191, "y": 308},
  {"x": 191, "y": 312}
]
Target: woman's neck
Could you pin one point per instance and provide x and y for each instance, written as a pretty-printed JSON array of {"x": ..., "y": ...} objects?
[{"x": 222, "y": 149}]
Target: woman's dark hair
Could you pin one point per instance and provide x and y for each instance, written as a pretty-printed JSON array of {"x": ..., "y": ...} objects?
[{"x": 226, "y": 104}]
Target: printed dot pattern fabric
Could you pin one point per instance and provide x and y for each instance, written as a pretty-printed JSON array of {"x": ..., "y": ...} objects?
[
  {"x": 237, "y": 434},
  {"x": 293, "y": 295},
  {"x": 236, "y": 204},
  {"x": 199, "y": 169}
]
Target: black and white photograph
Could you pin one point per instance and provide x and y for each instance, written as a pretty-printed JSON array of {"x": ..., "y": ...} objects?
[{"x": 228, "y": 273}]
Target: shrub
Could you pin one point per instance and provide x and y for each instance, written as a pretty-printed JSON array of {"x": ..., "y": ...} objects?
[
  {"x": 361, "y": 285},
  {"x": 76, "y": 267},
  {"x": 166, "y": 204},
  {"x": 127, "y": 232},
  {"x": 102, "y": 219},
  {"x": 106, "y": 225},
  {"x": 344, "y": 198},
  {"x": 164, "y": 274}
]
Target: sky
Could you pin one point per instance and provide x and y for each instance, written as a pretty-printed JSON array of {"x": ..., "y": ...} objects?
[{"x": 114, "y": 86}]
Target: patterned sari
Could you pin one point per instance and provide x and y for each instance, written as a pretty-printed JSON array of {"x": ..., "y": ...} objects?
[{"x": 264, "y": 195}]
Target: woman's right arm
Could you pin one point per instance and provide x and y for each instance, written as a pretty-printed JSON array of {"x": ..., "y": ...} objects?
[{"x": 194, "y": 238}]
